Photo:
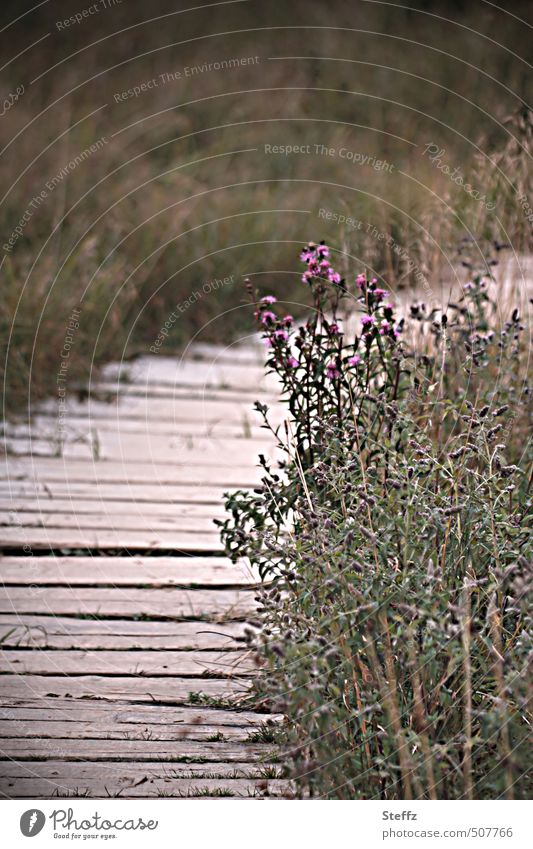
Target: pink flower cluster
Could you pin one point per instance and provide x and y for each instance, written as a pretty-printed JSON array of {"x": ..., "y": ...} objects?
[
  {"x": 276, "y": 331},
  {"x": 378, "y": 320},
  {"x": 380, "y": 316},
  {"x": 318, "y": 264},
  {"x": 332, "y": 370}
]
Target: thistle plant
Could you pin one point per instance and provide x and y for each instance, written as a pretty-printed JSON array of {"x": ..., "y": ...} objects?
[
  {"x": 397, "y": 618},
  {"x": 323, "y": 374},
  {"x": 325, "y": 379}
]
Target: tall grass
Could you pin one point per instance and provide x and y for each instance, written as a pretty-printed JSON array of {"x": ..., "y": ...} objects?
[{"x": 182, "y": 190}]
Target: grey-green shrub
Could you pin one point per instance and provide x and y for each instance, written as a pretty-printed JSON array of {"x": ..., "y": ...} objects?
[{"x": 396, "y": 629}]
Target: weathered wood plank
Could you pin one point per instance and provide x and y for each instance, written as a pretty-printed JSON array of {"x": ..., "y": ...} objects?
[
  {"x": 90, "y": 730},
  {"x": 71, "y": 749},
  {"x": 46, "y": 469},
  {"x": 122, "y": 493},
  {"x": 71, "y": 633},
  {"x": 95, "y": 506},
  {"x": 194, "y": 664},
  {"x": 135, "y": 785},
  {"x": 132, "y": 521},
  {"x": 143, "y": 689},
  {"x": 117, "y": 446},
  {"x": 67, "y": 771},
  {"x": 114, "y": 446},
  {"x": 32, "y": 779},
  {"x": 52, "y": 538},
  {"x": 163, "y": 603},
  {"x": 201, "y": 411},
  {"x": 174, "y": 371},
  {"x": 70, "y": 710},
  {"x": 109, "y": 390},
  {"x": 125, "y": 421},
  {"x": 250, "y": 352},
  {"x": 126, "y": 571}
]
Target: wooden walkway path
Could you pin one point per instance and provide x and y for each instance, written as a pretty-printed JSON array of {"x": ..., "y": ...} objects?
[{"x": 121, "y": 623}]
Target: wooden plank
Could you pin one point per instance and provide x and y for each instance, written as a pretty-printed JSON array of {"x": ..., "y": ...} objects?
[
  {"x": 70, "y": 633},
  {"x": 143, "y": 689},
  {"x": 194, "y": 664},
  {"x": 52, "y": 538},
  {"x": 122, "y": 493},
  {"x": 81, "y": 506},
  {"x": 175, "y": 371},
  {"x": 90, "y": 730},
  {"x": 65, "y": 771},
  {"x": 200, "y": 411},
  {"x": 114, "y": 445},
  {"x": 109, "y": 390},
  {"x": 125, "y": 422},
  {"x": 126, "y": 571},
  {"x": 46, "y": 469},
  {"x": 135, "y": 785},
  {"x": 111, "y": 446},
  {"x": 70, "y": 749},
  {"x": 99, "y": 711},
  {"x": 159, "y": 603},
  {"x": 131, "y": 521},
  {"x": 251, "y": 352}
]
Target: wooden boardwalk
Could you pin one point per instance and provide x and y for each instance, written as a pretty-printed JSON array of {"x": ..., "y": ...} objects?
[{"x": 123, "y": 666}]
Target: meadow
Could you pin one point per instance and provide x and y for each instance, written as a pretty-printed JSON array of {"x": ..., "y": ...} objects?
[{"x": 145, "y": 157}]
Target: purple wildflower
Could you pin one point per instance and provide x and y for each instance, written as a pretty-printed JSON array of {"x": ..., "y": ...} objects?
[
  {"x": 318, "y": 264},
  {"x": 332, "y": 370},
  {"x": 292, "y": 362},
  {"x": 355, "y": 360},
  {"x": 268, "y": 317},
  {"x": 367, "y": 321},
  {"x": 281, "y": 334},
  {"x": 269, "y": 299}
]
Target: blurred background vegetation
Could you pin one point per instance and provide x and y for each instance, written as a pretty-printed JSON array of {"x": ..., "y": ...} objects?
[{"x": 181, "y": 191}]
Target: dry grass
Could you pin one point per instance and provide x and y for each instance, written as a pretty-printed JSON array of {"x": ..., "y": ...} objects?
[{"x": 182, "y": 191}]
